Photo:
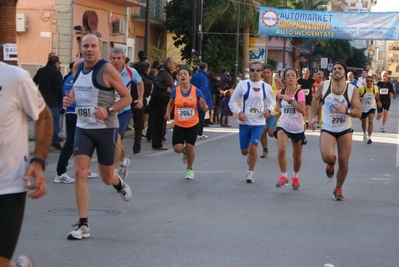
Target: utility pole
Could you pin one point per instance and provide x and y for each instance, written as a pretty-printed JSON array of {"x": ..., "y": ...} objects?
[
  {"x": 201, "y": 6},
  {"x": 237, "y": 44},
  {"x": 147, "y": 29},
  {"x": 193, "y": 27}
]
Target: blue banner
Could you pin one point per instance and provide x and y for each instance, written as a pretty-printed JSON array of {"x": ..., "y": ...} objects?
[{"x": 328, "y": 25}]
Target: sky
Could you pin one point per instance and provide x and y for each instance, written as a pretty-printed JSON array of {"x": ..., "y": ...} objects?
[{"x": 386, "y": 6}]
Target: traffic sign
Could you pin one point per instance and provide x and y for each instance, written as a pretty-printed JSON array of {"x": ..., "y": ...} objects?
[{"x": 323, "y": 62}]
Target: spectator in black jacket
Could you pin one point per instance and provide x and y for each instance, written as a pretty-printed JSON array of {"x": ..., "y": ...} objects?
[
  {"x": 216, "y": 86},
  {"x": 225, "y": 78},
  {"x": 50, "y": 83},
  {"x": 143, "y": 68},
  {"x": 163, "y": 84}
]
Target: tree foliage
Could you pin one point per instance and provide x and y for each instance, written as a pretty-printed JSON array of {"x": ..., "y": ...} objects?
[
  {"x": 218, "y": 42},
  {"x": 333, "y": 49},
  {"x": 358, "y": 58}
]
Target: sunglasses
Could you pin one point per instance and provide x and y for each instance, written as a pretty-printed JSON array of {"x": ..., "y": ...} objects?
[
  {"x": 255, "y": 69},
  {"x": 369, "y": 81}
]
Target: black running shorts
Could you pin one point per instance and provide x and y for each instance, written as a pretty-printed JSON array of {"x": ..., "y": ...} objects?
[
  {"x": 12, "y": 207},
  {"x": 103, "y": 140}
]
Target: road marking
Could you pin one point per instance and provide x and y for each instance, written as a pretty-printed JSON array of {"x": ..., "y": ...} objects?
[{"x": 197, "y": 143}]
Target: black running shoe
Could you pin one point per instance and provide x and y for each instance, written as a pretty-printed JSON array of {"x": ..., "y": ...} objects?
[
  {"x": 330, "y": 168},
  {"x": 337, "y": 194}
]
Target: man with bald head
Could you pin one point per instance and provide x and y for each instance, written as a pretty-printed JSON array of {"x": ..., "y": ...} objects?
[
  {"x": 96, "y": 83},
  {"x": 385, "y": 89}
]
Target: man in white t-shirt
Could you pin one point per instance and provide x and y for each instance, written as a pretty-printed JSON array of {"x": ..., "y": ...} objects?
[
  {"x": 19, "y": 98},
  {"x": 362, "y": 79},
  {"x": 257, "y": 102}
]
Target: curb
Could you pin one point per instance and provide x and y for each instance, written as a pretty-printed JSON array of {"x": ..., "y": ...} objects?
[{"x": 169, "y": 125}]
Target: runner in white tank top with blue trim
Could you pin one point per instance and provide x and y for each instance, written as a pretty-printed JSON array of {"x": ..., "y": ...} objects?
[{"x": 340, "y": 102}]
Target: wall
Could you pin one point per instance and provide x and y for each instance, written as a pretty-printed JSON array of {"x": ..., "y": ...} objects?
[{"x": 37, "y": 42}]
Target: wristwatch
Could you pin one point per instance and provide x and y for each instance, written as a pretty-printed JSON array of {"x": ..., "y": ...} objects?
[
  {"x": 110, "y": 110},
  {"x": 290, "y": 101},
  {"x": 40, "y": 161},
  {"x": 348, "y": 111}
]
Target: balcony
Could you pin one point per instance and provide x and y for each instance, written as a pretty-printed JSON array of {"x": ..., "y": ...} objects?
[
  {"x": 393, "y": 61},
  {"x": 127, "y": 3},
  {"x": 157, "y": 20}
]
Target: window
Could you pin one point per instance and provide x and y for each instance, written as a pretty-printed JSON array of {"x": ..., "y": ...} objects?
[{"x": 158, "y": 9}]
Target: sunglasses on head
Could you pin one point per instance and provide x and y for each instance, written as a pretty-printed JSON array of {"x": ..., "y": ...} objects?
[{"x": 255, "y": 69}]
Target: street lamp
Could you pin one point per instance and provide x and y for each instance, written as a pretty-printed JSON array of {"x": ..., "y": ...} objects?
[
  {"x": 371, "y": 53},
  {"x": 371, "y": 56}
]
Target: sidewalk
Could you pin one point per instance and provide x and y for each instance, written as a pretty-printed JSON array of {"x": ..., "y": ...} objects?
[{"x": 31, "y": 130}]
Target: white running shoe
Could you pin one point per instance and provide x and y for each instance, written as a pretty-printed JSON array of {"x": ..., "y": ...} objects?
[
  {"x": 249, "y": 178},
  {"x": 123, "y": 170},
  {"x": 63, "y": 179},
  {"x": 24, "y": 261},
  {"x": 189, "y": 174},
  {"x": 126, "y": 192},
  {"x": 92, "y": 175},
  {"x": 79, "y": 233},
  {"x": 365, "y": 138}
]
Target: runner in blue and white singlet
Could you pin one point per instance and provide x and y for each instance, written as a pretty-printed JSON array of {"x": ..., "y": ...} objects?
[
  {"x": 339, "y": 103},
  {"x": 88, "y": 96},
  {"x": 94, "y": 93}
]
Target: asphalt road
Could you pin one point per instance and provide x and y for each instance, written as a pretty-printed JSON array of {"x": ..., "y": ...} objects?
[{"x": 219, "y": 220}]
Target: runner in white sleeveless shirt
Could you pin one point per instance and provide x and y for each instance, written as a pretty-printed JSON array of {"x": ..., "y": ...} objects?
[
  {"x": 340, "y": 103},
  {"x": 97, "y": 125}
]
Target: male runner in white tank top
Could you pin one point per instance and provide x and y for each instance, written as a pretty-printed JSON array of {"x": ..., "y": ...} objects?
[
  {"x": 340, "y": 103},
  {"x": 97, "y": 125}
]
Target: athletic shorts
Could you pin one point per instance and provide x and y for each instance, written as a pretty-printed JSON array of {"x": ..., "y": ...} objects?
[
  {"x": 271, "y": 122},
  {"x": 339, "y": 134},
  {"x": 384, "y": 106},
  {"x": 103, "y": 140},
  {"x": 365, "y": 114},
  {"x": 296, "y": 137},
  {"x": 249, "y": 134},
  {"x": 124, "y": 119},
  {"x": 308, "y": 99},
  {"x": 12, "y": 207},
  {"x": 181, "y": 134}
]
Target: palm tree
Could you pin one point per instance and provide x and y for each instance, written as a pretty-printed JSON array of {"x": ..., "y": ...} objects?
[
  {"x": 8, "y": 10},
  {"x": 226, "y": 11},
  {"x": 334, "y": 49},
  {"x": 297, "y": 42}
]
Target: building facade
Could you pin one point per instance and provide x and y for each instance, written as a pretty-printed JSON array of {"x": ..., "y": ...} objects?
[{"x": 45, "y": 26}]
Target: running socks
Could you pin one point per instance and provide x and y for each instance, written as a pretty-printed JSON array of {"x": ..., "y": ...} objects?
[
  {"x": 118, "y": 187},
  {"x": 83, "y": 221}
]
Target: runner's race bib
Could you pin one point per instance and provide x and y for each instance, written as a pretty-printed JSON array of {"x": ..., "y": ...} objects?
[
  {"x": 85, "y": 113},
  {"x": 383, "y": 91},
  {"x": 185, "y": 113}
]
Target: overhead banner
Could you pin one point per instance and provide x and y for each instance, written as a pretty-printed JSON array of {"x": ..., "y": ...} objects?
[{"x": 328, "y": 25}]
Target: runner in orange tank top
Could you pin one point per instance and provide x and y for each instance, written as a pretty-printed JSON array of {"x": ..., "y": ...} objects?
[{"x": 183, "y": 101}]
